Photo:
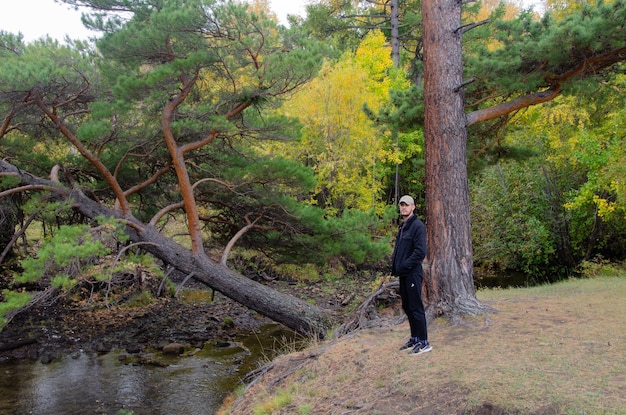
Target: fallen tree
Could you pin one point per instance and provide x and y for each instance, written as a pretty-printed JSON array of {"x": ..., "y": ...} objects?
[{"x": 288, "y": 310}]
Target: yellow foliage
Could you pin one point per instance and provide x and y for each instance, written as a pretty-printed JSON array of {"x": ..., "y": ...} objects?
[
  {"x": 604, "y": 206},
  {"x": 374, "y": 57},
  {"x": 569, "y": 130},
  {"x": 345, "y": 148},
  {"x": 487, "y": 7}
]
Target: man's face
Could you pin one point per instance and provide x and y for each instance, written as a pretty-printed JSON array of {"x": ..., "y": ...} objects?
[{"x": 405, "y": 210}]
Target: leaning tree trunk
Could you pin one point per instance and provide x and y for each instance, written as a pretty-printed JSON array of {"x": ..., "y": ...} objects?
[
  {"x": 449, "y": 285},
  {"x": 293, "y": 312}
]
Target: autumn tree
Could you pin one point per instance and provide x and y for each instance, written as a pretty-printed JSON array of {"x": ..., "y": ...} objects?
[{"x": 348, "y": 152}]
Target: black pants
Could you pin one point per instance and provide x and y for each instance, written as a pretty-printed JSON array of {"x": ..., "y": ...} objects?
[{"x": 411, "y": 295}]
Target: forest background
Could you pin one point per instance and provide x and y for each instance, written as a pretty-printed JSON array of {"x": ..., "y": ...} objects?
[{"x": 300, "y": 140}]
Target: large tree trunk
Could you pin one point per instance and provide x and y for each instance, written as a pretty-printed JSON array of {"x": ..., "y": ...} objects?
[
  {"x": 449, "y": 285},
  {"x": 294, "y": 313}
]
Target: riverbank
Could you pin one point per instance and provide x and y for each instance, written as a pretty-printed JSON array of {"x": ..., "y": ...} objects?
[
  {"x": 555, "y": 349},
  {"x": 143, "y": 322}
]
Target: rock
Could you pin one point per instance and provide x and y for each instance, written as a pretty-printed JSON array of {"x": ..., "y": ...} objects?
[
  {"x": 133, "y": 349},
  {"x": 46, "y": 358},
  {"x": 151, "y": 360},
  {"x": 102, "y": 347},
  {"x": 174, "y": 348}
]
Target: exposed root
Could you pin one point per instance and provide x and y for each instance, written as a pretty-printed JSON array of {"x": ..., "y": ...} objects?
[
  {"x": 366, "y": 316},
  {"x": 40, "y": 297},
  {"x": 458, "y": 311}
]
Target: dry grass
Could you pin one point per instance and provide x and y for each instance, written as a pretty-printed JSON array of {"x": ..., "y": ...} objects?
[{"x": 558, "y": 349}]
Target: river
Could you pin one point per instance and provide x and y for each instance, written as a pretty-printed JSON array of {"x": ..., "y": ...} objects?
[{"x": 85, "y": 383}]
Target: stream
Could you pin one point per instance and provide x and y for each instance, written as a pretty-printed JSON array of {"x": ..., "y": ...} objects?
[{"x": 194, "y": 383}]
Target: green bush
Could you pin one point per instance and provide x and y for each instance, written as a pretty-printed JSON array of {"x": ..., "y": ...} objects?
[{"x": 513, "y": 220}]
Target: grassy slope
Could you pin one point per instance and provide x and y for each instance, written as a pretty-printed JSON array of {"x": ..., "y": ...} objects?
[{"x": 557, "y": 349}]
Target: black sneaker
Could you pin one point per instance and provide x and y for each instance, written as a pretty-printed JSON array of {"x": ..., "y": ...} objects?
[
  {"x": 409, "y": 345},
  {"x": 422, "y": 347}
]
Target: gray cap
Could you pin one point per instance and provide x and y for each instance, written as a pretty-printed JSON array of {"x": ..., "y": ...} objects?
[{"x": 407, "y": 199}]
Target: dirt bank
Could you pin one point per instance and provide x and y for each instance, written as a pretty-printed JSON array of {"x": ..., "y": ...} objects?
[
  {"x": 48, "y": 331},
  {"x": 550, "y": 350}
]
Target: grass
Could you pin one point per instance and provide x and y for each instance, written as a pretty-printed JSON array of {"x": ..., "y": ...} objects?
[
  {"x": 554, "y": 349},
  {"x": 273, "y": 403}
]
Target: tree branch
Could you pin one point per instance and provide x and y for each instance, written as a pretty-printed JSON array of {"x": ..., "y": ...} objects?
[
  {"x": 26, "y": 188},
  {"x": 464, "y": 84},
  {"x": 151, "y": 180},
  {"x": 587, "y": 67},
  {"x": 235, "y": 238},
  {"x": 95, "y": 161},
  {"x": 165, "y": 211},
  {"x": 510, "y": 106},
  {"x": 15, "y": 237},
  {"x": 467, "y": 27}
]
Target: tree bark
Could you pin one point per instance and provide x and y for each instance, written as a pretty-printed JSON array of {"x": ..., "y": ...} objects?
[
  {"x": 448, "y": 283},
  {"x": 395, "y": 36},
  {"x": 288, "y": 310}
]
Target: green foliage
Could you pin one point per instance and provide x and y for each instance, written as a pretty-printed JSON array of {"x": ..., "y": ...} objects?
[
  {"x": 526, "y": 53},
  {"x": 299, "y": 272},
  {"x": 12, "y": 300},
  {"x": 349, "y": 154},
  {"x": 115, "y": 228},
  {"x": 407, "y": 110},
  {"x": 573, "y": 201},
  {"x": 588, "y": 149},
  {"x": 600, "y": 152},
  {"x": 68, "y": 252},
  {"x": 273, "y": 403},
  {"x": 600, "y": 267},
  {"x": 44, "y": 70},
  {"x": 8, "y": 182},
  {"x": 509, "y": 212},
  {"x": 146, "y": 261},
  {"x": 360, "y": 237},
  {"x": 228, "y": 322},
  {"x": 62, "y": 282}
]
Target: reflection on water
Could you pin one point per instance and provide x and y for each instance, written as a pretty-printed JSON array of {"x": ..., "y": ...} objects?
[{"x": 194, "y": 384}]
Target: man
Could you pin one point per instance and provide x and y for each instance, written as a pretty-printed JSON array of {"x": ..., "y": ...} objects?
[{"x": 406, "y": 263}]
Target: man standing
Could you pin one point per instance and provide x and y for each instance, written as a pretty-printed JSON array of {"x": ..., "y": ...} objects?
[{"x": 406, "y": 263}]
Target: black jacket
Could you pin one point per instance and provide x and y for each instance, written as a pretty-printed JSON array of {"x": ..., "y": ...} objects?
[{"x": 410, "y": 248}]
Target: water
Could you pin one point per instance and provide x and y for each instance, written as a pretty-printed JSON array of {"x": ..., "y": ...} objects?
[
  {"x": 192, "y": 384},
  {"x": 509, "y": 279}
]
